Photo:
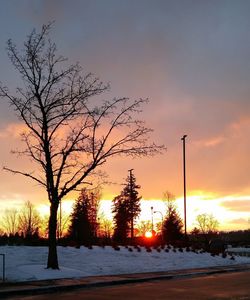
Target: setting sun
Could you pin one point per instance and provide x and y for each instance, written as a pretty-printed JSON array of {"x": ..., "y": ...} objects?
[{"x": 148, "y": 234}]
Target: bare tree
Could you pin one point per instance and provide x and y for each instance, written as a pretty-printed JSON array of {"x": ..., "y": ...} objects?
[
  {"x": 1, "y": 231},
  {"x": 105, "y": 228},
  {"x": 67, "y": 135},
  {"x": 143, "y": 227},
  {"x": 10, "y": 221},
  {"x": 28, "y": 219},
  {"x": 207, "y": 223},
  {"x": 170, "y": 202},
  {"x": 63, "y": 224}
]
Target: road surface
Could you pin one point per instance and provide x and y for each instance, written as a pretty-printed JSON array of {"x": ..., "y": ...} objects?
[{"x": 234, "y": 286}]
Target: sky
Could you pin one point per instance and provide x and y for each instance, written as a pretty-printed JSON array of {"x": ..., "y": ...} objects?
[{"x": 191, "y": 59}]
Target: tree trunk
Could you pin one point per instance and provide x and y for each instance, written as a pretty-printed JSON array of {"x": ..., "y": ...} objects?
[{"x": 52, "y": 255}]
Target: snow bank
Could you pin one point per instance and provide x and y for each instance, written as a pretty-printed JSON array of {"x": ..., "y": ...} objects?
[{"x": 29, "y": 263}]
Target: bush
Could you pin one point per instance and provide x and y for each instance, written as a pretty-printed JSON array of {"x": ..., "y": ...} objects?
[{"x": 116, "y": 248}]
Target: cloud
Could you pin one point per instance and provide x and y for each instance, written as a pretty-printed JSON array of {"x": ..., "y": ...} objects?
[
  {"x": 210, "y": 142},
  {"x": 237, "y": 205},
  {"x": 13, "y": 130},
  {"x": 239, "y": 221}
]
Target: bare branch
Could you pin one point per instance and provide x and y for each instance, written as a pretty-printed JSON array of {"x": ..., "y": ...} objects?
[
  {"x": 26, "y": 175},
  {"x": 69, "y": 131}
]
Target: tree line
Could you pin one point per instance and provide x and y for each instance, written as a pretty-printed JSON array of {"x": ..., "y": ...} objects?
[{"x": 86, "y": 226}]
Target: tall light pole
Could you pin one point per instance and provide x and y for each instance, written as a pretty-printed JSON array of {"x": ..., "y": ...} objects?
[
  {"x": 157, "y": 211},
  {"x": 152, "y": 219},
  {"x": 184, "y": 183},
  {"x": 130, "y": 195}
]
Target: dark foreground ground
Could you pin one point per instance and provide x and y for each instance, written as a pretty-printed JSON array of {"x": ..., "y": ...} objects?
[{"x": 235, "y": 286}]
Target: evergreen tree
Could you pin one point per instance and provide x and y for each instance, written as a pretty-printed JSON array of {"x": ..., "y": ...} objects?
[
  {"x": 172, "y": 225},
  {"x": 83, "y": 227},
  {"x": 121, "y": 219},
  {"x": 126, "y": 208},
  {"x": 94, "y": 201}
]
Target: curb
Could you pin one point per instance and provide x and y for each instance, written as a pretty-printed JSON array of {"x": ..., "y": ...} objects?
[{"x": 92, "y": 282}]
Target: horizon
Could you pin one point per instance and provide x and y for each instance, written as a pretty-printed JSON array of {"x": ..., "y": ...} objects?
[{"x": 190, "y": 59}]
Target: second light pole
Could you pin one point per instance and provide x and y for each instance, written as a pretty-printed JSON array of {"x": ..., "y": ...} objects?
[{"x": 184, "y": 183}]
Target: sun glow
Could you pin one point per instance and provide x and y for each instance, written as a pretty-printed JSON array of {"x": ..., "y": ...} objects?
[
  {"x": 225, "y": 209},
  {"x": 148, "y": 234},
  {"x": 67, "y": 205}
]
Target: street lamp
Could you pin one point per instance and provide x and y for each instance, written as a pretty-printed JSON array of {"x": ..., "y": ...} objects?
[
  {"x": 152, "y": 220},
  {"x": 157, "y": 211},
  {"x": 184, "y": 183}
]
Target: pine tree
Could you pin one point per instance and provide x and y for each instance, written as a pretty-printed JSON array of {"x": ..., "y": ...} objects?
[
  {"x": 83, "y": 227},
  {"x": 172, "y": 225},
  {"x": 94, "y": 201},
  {"x": 121, "y": 219},
  {"x": 126, "y": 208}
]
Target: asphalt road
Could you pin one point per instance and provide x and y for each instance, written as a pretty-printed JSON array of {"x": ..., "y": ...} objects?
[{"x": 234, "y": 286}]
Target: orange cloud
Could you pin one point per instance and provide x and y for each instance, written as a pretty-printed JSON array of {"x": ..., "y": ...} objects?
[
  {"x": 237, "y": 205},
  {"x": 13, "y": 130},
  {"x": 243, "y": 122},
  {"x": 210, "y": 142},
  {"x": 240, "y": 221}
]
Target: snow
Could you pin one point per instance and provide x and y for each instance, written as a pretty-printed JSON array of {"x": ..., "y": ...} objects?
[
  {"x": 239, "y": 249},
  {"x": 29, "y": 263}
]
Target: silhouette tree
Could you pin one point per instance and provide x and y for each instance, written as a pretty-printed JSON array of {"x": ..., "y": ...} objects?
[
  {"x": 132, "y": 199},
  {"x": 94, "y": 203},
  {"x": 207, "y": 223},
  {"x": 126, "y": 208},
  {"x": 67, "y": 135},
  {"x": 83, "y": 221},
  {"x": 143, "y": 227},
  {"x": 207, "y": 226},
  {"x": 172, "y": 225},
  {"x": 9, "y": 221},
  {"x": 28, "y": 220},
  {"x": 105, "y": 227},
  {"x": 121, "y": 219}
]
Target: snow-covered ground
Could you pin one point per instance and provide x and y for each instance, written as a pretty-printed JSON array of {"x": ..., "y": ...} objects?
[
  {"x": 28, "y": 263},
  {"x": 238, "y": 249}
]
